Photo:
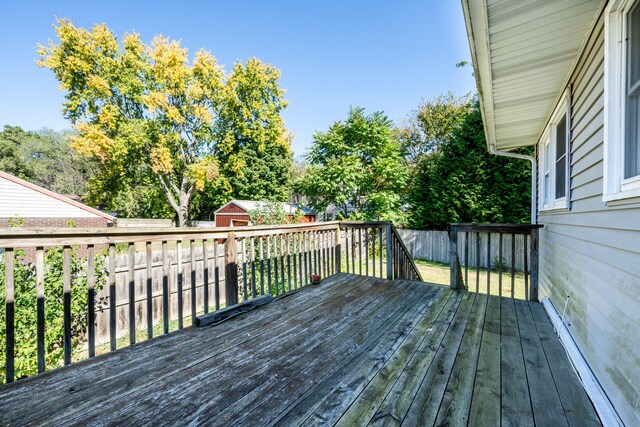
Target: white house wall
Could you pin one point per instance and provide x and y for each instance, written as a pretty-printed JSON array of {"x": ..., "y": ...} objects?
[
  {"x": 592, "y": 252},
  {"x": 16, "y": 199}
]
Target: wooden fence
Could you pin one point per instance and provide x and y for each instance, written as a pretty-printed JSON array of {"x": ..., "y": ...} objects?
[
  {"x": 433, "y": 245},
  {"x": 159, "y": 280}
]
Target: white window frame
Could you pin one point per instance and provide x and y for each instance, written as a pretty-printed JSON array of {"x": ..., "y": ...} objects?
[
  {"x": 547, "y": 159},
  {"x": 616, "y": 187}
]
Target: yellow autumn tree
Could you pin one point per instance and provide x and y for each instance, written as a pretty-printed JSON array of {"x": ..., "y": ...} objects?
[{"x": 135, "y": 105}]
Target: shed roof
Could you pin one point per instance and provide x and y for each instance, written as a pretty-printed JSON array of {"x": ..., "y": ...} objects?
[
  {"x": 249, "y": 205},
  {"x": 523, "y": 53}
]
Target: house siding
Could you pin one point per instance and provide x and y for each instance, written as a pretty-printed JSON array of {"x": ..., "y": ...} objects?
[
  {"x": 592, "y": 251},
  {"x": 18, "y": 200}
]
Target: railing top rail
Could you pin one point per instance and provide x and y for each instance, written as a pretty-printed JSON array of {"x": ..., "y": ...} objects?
[
  {"x": 369, "y": 224},
  {"x": 30, "y": 237},
  {"x": 496, "y": 228}
]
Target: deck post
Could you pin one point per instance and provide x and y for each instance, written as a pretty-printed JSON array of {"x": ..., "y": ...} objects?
[
  {"x": 534, "y": 263},
  {"x": 231, "y": 270},
  {"x": 338, "y": 249},
  {"x": 389, "y": 252},
  {"x": 455, "y": 277}
]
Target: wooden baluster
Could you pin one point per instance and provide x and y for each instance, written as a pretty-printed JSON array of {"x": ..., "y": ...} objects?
[
  {"x": 9, "y": 261},
  {"x": 346, "y": 247},
  {"x": 91, "y": 303},
  {"x": 380, "y": 244},
  {"x": 389, "y": 251},
  {"x": 40, "y": 317},
  {"x": 316, "y": 257},
  {"x": 353, "y": 251},
  {"x": 513, "y": 263},
  {"x": 288, "y": 246},
  {"x": 192, "y": 279},
  {"x": 261, "y": 244},
  {"x": 466, "y": 260},
  {"x": 309, "y": 256},
  {"x": 338, "y": 249},
  {"x": 231, "y": 270},
  {"x": 269, "y": 239},
  {"x": 500, "y": 264},
  {"x": 244, "y": 268},
  {"x": 66, "y": 301},
  {"x": 252, "y": 248},
  {"x": 300, "y": 265},
  {"x": 488, "y": 263},
  {"x": 205, "y": 276},
  {"x": 295, "y": 260},
  {"x": 166, "y": 288},
  {"x": 216, "y": 272},
  {"x": 360, "y": 251},
  {"x": 328, "y": 240},
  {"x": 132, "y": 292},
  {"x": 112, "y": 297},
  {"x": 328, "y": 252},
  {"x": 373, "y": 252},
  {"x": 477, "y": 261},
  {"x": 282, "y": 265},
  {"x": 179, "y": 267},
  {"x": 526, "y": 273},
  {"x": 330, "y": 256},
  {"x": 366, "y": 251},
  {"x": 275, "y": 264},
  {"x": 149, "y": 273},
  {"x": 323, "y": 253}
]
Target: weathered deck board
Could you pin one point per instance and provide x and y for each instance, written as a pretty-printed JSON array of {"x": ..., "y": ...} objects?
[{"x": 352, "y": 351}]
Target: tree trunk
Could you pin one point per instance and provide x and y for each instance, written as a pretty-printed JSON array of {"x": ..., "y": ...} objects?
[{"x": 183, "y": 209}]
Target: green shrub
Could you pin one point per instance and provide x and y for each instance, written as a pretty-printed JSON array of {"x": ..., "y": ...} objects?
[{"x": 25, "y": 308}]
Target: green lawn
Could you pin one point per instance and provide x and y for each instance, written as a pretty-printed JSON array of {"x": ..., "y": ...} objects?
[{"x": 438, "y": 273}]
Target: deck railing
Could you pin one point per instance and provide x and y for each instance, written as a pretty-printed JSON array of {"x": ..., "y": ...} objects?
[
  {"x": 109, "y": 288},
  {"x": 472, "y": 259}
]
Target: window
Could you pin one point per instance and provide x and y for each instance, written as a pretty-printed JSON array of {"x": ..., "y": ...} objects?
[
  {"x": 554, "y": 163},
  {"x": 632, "y": 140},
  {"x": 622, "y": 101}
]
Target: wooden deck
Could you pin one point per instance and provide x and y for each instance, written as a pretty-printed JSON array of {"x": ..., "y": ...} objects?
[{"x": 351, "y": 351}]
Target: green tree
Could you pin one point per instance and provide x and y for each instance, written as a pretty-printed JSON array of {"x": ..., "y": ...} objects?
[
  {"x": 357, "y": 166},
  {"x": 433, "y": 123},
  {"x": 12, "y": 139},
  {"x": 45, "y": 158},
  {"x": 463, "y": 182},
  {"x": 255, "y": 149}
]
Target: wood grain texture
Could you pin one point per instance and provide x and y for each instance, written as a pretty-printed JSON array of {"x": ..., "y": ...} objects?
[{"x": 353, "y": 350}]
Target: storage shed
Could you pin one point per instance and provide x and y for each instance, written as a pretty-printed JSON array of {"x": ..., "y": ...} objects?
[{"x": 236, "y": 212}]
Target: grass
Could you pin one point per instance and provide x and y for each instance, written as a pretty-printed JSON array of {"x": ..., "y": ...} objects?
[{"x": 438, "y": 273}]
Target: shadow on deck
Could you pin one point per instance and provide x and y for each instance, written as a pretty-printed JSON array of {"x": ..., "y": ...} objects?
[{"x": 352, "y": 351}]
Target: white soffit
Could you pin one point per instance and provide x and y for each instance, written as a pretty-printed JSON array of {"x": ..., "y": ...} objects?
[{"x": 522, "y": 54}]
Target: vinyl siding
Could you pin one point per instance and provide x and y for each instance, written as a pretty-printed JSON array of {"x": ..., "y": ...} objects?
[
  {"x": 592, "y": 251},
  {"x": 24, "y": 202}
]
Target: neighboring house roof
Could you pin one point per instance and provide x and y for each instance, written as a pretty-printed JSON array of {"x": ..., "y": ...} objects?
[
  {"x": 523, "y": 53},
  {"x": 249, "y": 205},
  {"x": 27, "y": 200}
]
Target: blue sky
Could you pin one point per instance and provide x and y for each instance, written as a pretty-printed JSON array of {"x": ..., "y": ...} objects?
[{"x": 381, "y": 55}]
